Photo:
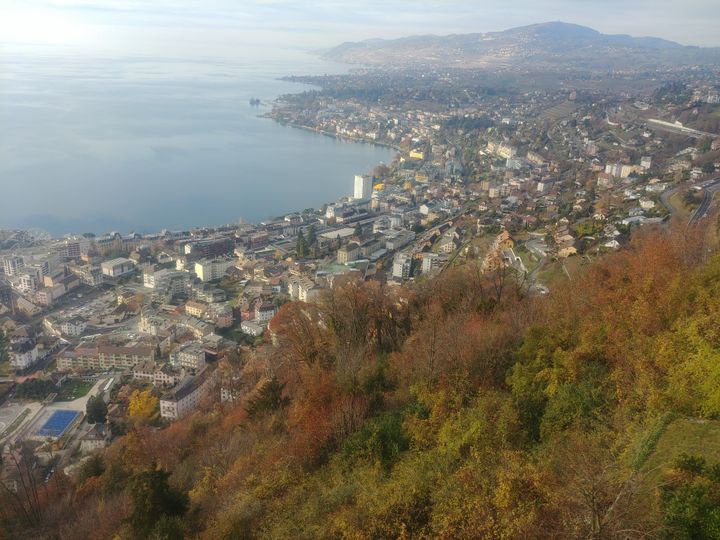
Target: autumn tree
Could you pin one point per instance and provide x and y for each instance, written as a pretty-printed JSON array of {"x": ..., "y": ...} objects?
[
  {"x": 302, "y": 335},
  {"x": 143, "y": 405}
]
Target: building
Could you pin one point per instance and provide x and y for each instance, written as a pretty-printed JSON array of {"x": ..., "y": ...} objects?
[
  {"x": 89, "y": 275},
  {"x": 167, "y": 280},
  {"x": 117, "y": 267},
  {"x": 264, "y": 312},
  {"x": 503, "y": 241},
  {"x": 210, "y": 248},
  {"x": 189, "y": 394},
  {"x": 251, "y": 328},
  {"x": 449, "y": 242},
  {"x": 72, "y": 249},
  {"x": 402, "y": 266},
  {"x": 23, "y": 354},
  {"x": 73, "y": 327},
  {"x": 196, "y": 309},
  {"x": 398, "y": 239},
  {"x": 363, "y": 187},
  {"x": 104, "y": 357},
  {"x": 96, "y": 439},
  {"x": 191, "y": 357},
  {"x": 165, "y": 376},
  {"x": 220, "y": 314},
  {"x": 212, "y": 269},
  {"x": 307, "y": 291},
  {"x": 647, "y": 204},
  {"x": 13, "y": 265},
  {"x": 347, "y": 253},
  {"x": 45, "y": 297},
  {"x": 62, "y": 280},
  {"x": 501, "y": 149},
  {"x": 432, "y": 262},
  {"x": 28, "y": 283},
  {"x": 535, "y": 158}
]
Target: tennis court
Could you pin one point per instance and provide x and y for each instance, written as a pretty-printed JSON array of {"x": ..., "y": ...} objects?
[{"x": 57, "y": 424}]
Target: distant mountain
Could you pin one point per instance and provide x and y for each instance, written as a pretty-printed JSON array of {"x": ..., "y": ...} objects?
[{"x": 552, "y": 44}]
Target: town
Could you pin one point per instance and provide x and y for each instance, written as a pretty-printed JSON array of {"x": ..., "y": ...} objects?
[{"x": 105, "y": 330}]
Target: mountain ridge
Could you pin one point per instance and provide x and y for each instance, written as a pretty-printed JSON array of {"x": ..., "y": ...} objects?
[{"x": 542, "y": 44}]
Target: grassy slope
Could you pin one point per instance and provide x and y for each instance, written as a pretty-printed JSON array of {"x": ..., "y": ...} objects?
[{"x": 688, "y": 436}]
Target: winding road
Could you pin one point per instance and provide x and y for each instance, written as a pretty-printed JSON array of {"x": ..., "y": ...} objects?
[{"x": 711, "y": 187}]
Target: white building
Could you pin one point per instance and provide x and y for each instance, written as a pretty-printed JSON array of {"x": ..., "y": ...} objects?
[
  {"x": 363, "y": 187},
  {"x": 402, "y": 264},
  {"x": 23, "y": 354},
  {"x": 13, "y": 265},
  {"x": 212, "y": 269},
  {"x": 73, "y": 327},
  {"x": 97, "y": 438},
  {"x": 432, "y": 262},
  {"x": 161, "y": 376},
  {"x": 251, "y": 328},
  {"x": 168, "y": 282},
  {"x": 188, "y": 395},
  {"x": 264, "y": 312},
  {"x": 28, "y": 283},
  {"x": 192, "y": 357},
  {"x": 395, "y": 240},
  {"x": 307, "y": 291},
  {"x": 117, "y": 267}
]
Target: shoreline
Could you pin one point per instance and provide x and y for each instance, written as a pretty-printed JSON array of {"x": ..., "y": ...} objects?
[{"x": 332, "y": 135}]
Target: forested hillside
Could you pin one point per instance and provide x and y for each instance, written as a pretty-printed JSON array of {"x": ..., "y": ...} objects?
[{"x": 456, "y": 408}]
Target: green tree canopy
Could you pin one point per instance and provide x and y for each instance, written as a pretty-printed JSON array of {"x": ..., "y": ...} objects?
[
  {"x": 153, "y": 500},
  {"x": 96, "y": 410}
]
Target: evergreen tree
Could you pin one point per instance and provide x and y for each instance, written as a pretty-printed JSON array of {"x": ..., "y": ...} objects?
[
  {"x": 301, "y": 247},
  {"x": 269, "y": 398},
  {"x": 312, "y": 237},
  {"x": 96, "y": 410},
  {"x": 154, "y": 500},
  {"x": 3, "y": 347}
]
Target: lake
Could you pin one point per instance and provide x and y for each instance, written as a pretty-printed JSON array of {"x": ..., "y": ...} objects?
[{"x": 97, "y": 144}]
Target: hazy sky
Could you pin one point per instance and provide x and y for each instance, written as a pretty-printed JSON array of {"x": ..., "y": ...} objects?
[{"x": 212, "y": 27}]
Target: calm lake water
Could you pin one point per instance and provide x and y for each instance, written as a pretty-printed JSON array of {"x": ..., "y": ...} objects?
[{"x": 136, "y": 143}]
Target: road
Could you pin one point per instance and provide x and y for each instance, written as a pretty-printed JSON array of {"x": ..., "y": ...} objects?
[
  {"x": 537, "y": 247},
  {"x": 680, "y": 129},
  {"x": 665, "y": 198},
  {"x": 711, "y": 187}
]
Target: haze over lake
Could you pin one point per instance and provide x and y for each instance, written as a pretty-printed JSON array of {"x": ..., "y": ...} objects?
[{"x": 93, "y": 143}]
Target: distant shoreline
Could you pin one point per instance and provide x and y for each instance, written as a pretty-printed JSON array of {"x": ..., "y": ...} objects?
[{"x": 333, "y": 135}]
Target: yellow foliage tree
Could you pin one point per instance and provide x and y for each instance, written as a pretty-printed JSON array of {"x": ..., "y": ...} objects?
[{"x": 143, "y": 405}]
